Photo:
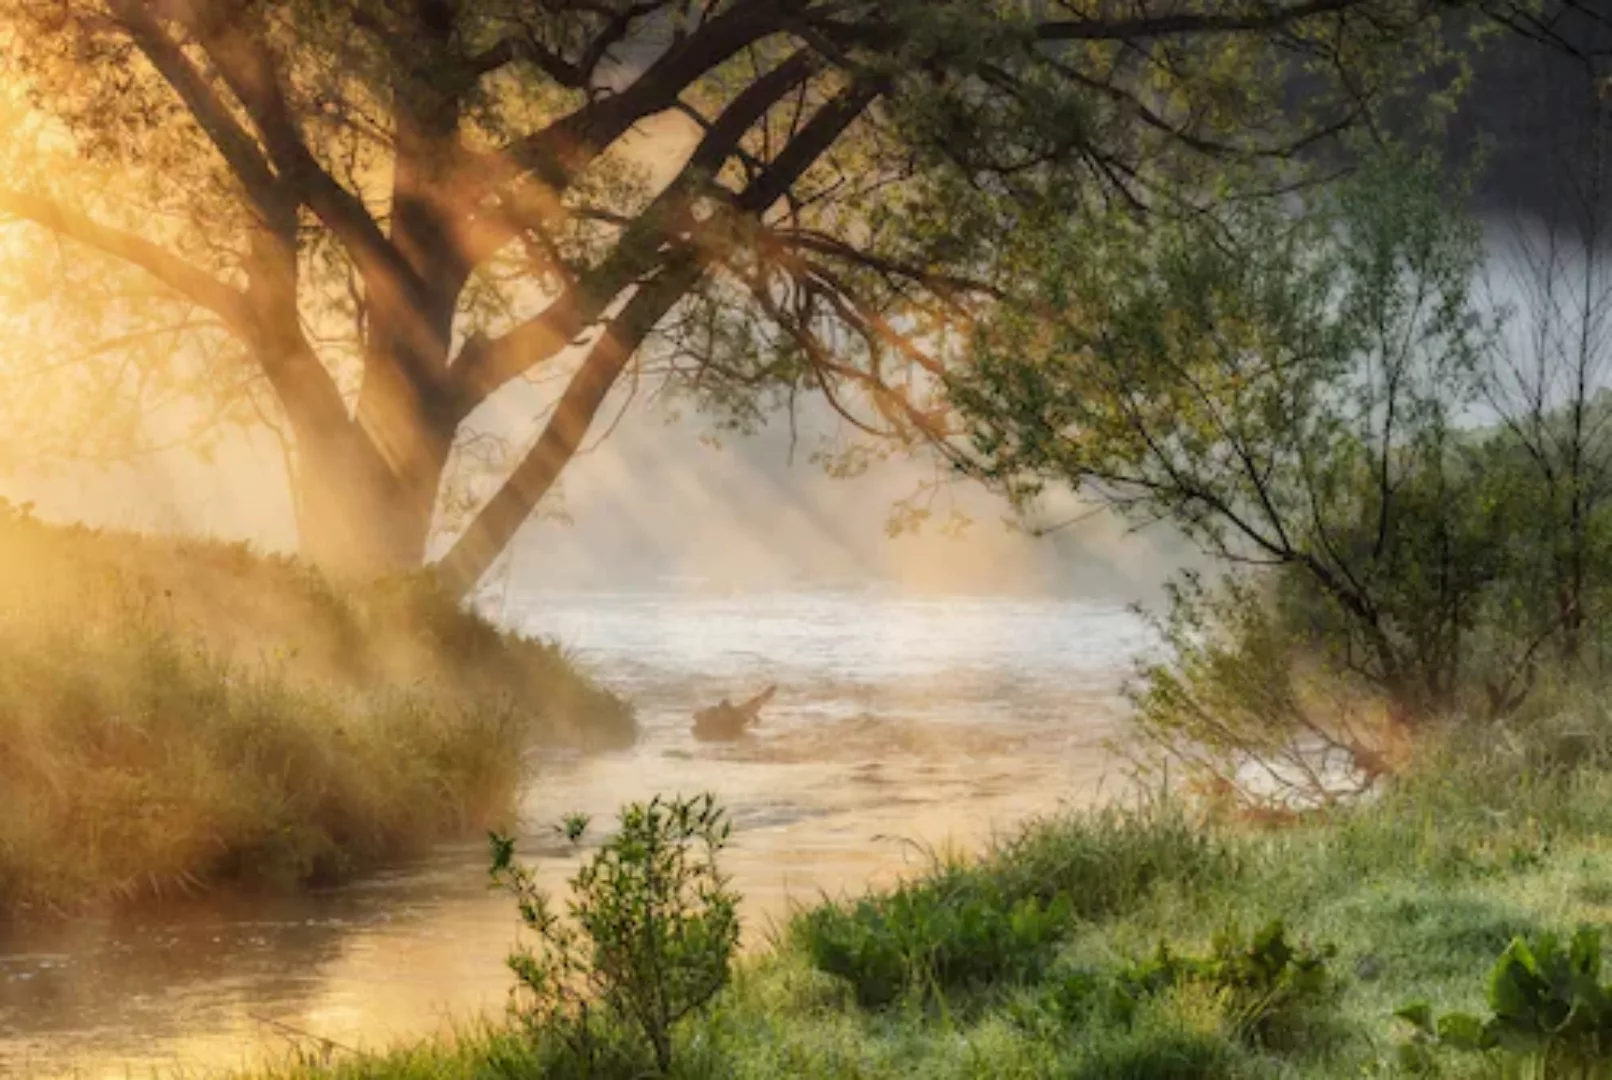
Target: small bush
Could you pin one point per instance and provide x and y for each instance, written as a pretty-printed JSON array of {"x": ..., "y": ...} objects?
[
  {"x": 1263, "y": 985},
  {"x": 648, "y": 935},
  {"x": 1550, "y": 1013},
  {"x": 966, "y": 926},
  {"x": 956, "y": 929}
]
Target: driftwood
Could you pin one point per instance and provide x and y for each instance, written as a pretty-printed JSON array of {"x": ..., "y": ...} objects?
[{"x": 729, "y": 721}]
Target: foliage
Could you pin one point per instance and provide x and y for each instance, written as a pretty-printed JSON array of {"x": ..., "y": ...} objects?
[
  {"x": 647, "y": 937},
  {"x": 953, "y": 930},
  {"x": 1551, "y": 1014},
  {"x": 1259, "y": 983},
  {"x": 1316, "y": 400},
  {"x": 381, "y": 216},
  {"x": 1283, "y": 390},
  {"x": 1229, "y": 697}
]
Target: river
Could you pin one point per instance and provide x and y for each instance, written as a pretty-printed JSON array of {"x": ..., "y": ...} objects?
[{"x": 898, "y": 722}]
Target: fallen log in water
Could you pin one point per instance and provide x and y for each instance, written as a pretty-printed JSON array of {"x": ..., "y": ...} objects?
[{"x": 726, "y": 721}]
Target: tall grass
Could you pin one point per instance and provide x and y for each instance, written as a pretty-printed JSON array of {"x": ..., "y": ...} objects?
[{"x": 175, "y": 716}]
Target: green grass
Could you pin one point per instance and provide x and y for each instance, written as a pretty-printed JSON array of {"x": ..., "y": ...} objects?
[
  {"x": 1495, "y": 835},
  {"x": 185, "y": 715}
]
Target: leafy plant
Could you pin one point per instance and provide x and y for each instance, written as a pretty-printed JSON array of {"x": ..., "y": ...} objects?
[
  {"x": 1261, "y": 983},
  {"x": 648, "y": 936},
  {"x": 1550, "y": 1013},
  {"x": 952, "y": 930}
]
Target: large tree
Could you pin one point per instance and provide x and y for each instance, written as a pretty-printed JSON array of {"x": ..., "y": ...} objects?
[{"x": 366, "y": 219}]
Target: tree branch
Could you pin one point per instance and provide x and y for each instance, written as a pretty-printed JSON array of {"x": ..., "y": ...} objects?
[
  {"x": 497, "y": 522},
  {"x": 556, "y": 155},
  {"x": 1254, "y": 18},
  {"x": 574, "y": 75},
  {"x": 239, "y": 150},
  {"x": 486, "y": 365},
  {"x": 501, "y": 518},
  {"x": 249, "y": 71},
  {"x": 195, "y": 285}
]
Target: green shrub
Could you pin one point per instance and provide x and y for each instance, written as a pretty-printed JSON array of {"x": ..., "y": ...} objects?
[
  {"x": 957, "y": 928},
  {"x": 1263, "y": 985},
  {"x": 1550, "y": 1014},
  {"x": 967, "y": 926},
  {"x": 648, "y": 936}
]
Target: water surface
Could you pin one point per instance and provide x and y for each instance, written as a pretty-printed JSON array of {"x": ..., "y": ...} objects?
[{"x": 898, "y": 722}]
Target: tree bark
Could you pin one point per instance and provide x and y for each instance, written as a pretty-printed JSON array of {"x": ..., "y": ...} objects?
[{"x": 357, "y": 520}]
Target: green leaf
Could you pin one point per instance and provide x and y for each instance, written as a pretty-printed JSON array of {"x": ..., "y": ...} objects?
[
  {"x": 1586, "y": 952},
  {"x": 1464, "y": 1032},
  {"x": 503, "y": 849},
  {"x": 1514, "y": 983},
  {"x": 1419, "y": 1014}
]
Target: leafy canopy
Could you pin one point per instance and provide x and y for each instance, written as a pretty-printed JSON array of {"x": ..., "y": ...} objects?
[{"x": 357, "y": 222}]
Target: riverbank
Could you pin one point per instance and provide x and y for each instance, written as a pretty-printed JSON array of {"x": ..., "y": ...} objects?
[
  {"x": 1040, "y": 958},
  {"x": 180, "y": 716}
]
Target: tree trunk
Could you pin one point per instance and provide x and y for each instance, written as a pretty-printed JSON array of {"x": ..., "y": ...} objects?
[{"x": 357, "y": 518}]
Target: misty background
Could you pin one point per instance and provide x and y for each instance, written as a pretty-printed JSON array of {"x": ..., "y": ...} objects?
[{"x": 664, "y": 502}]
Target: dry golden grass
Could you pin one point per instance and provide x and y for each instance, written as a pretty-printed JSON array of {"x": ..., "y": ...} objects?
[{"x": 175, "y": 715}]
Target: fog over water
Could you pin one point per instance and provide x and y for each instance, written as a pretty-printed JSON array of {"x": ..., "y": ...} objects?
[{"x": 932, "y": 688}]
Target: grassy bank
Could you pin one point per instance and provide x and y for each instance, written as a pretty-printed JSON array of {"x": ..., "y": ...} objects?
[
  {"x": 1041, "y": 958},
  {"x": 181, "y": 715}
]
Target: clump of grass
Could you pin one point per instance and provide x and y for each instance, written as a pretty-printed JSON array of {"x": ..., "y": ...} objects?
[
  {"x": 955, "y": 929},
  {"x": 176, "y": 716},
  {"x": 1266, "y": 986},
  {"x": 1170, "y": 1042},
  {"x": 970, "y": 924},
  {"x": 1108, "y": 860}
]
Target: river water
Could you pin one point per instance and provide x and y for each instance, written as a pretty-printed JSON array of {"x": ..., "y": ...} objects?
[{"x": 898, "y": 722}]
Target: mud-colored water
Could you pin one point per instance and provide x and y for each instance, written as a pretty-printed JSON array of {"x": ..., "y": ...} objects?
[{"x": 897, "y": 721}]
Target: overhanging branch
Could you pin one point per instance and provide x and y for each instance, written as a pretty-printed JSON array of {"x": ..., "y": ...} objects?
[
  {"x": 191, "y": 283},
  {"x": 487, "y": 365},
  {"x": 1241, "y": 19}
]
